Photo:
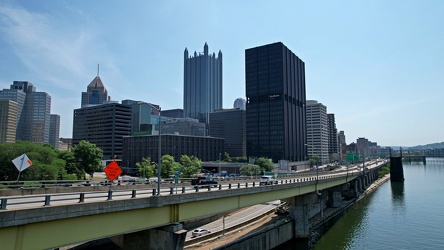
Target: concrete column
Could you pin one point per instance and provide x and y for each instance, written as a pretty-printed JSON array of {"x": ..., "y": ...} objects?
[
  {"x": 299, "y": 211},
  {"x": 335, "y": 199},
  {"x": 163, "y": 238}
]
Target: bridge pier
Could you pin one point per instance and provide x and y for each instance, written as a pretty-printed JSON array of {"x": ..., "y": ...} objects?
[
  {"x": 301, "y": 209},
  {"x": 163, "y": 238}
]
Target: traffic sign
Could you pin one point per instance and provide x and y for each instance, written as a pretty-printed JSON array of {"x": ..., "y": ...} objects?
[{"x": 113, "y": 171}]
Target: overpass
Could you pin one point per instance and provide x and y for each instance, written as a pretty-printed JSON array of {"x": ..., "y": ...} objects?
[{"x": 153, "y": 222}]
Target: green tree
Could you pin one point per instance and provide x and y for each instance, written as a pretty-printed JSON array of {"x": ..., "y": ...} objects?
[
  {"x": 189, "y": 165},
  {"x": 227, "y": 157},
  {"x": 168, "y": 166},
  {"x": 264, "y": 164},
  {"x": 46, "y": 163},
  {"x": 250, "y": 170},
  {"x": 71, "y": 165},
  {"x": 313, "y": 160},
  {"x": 88, "y": 156},
  {"x": 146, "y": 168}
]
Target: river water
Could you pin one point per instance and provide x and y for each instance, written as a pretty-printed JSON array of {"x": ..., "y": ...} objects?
[{"x": 407, "y": 215}]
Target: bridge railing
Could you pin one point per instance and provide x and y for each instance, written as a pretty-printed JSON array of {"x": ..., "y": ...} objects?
[{"x": 31, "y": 201}]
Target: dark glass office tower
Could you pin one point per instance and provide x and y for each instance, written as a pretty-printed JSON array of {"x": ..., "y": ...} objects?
[{"x": 275, "y": 90}]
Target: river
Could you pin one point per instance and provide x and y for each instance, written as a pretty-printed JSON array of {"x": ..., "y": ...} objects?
[{"x": 405, "y": 215}]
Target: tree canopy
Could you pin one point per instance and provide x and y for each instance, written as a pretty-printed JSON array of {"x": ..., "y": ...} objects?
[
  {"x": 88, "y": 156},
  {"x": 264, "y": 164}
]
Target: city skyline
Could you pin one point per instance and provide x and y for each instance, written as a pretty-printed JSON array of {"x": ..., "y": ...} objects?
[{"x": 377, "y": 66}]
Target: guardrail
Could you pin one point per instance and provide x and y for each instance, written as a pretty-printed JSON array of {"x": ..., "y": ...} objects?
[{"x": 81, "y": 197}]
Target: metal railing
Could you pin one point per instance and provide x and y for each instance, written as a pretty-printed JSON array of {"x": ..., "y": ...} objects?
[{"x": 97, "y": 196}]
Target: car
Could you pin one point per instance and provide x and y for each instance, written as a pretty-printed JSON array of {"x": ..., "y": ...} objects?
[
  {"x": 200, "y": 232},
  {"x": 267, "y": 180}
]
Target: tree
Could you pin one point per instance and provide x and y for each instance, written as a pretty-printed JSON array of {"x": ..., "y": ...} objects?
[
  {"x": 88, "y": 156},
  {"x": 227, "y": 157},
  {"x": 168, "y": 166},
  {"x": 313, "y": 161},
  {"x": 71, "y": 165},
  {"x": 146, "y": 167},
  {"x": 250, "y": 170},
  {"x": 264, "y": 164},
  {"x": 189, "y": 165},
  {"x": 46, "y": 162}
]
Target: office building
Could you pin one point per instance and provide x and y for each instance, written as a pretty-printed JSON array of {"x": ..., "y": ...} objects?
[
  {"x": 33, "y": 111},
  {"x": 96, "y": 93},
  {"x": 54, "y": 130},
  {"x": 317, "y": 131},
  {"x": 135, "y": 148},
  {"x": 182, "y": 126},
  {"x": 142, "y": 118},
  {"x": 341, "y": 138},
  {"x": 103, "y": 125},
  {"x": 362, "y": 146},
  {"x": 8, "y": 121},
  {"x": 230, "y": 124},
  {"x": 173, "y": 113},
  {"x": 202, "y": 84},
  {"x": 333, "y": 149},
  {"x": 275, "y": 91}
]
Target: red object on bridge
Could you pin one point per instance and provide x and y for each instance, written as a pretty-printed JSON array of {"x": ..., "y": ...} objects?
[{"x": 113, "y": 171}]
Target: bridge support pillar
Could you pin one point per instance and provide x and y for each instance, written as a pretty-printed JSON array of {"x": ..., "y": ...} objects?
[
  {"x": 163, "y": 238},
  {"x": 299, "y": 210}
]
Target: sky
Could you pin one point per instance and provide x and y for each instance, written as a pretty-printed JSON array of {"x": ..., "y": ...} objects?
[{"x": 377, "y": 65}]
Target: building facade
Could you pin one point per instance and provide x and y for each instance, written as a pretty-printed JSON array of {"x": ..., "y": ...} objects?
[
  {"x": 8, "y": 121},
  {"x": 141, "y": 117},
  {"x": 333, "y": 149},
  {"x": 275, "y": 90},
  {"x": 230, "y": 124},
  {"x": 202, "y": 84},
  {"x": 135, "y": 148},
  {"x": 33, "y": 111},
  {"x": 317, "y": 131},
  {"x": 183, "y": 126},
  {"x": 103, "y": 125},
  {"x": 173, "y": 113},
  {"x": 54, "y": 130},
  {"x": 96, "y": 93}
]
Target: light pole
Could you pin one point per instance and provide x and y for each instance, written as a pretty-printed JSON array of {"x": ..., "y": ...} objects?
[{"x": 160, "y": 157}]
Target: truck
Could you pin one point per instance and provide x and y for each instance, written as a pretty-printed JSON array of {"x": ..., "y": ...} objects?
[{"x": 204, "y": 181}]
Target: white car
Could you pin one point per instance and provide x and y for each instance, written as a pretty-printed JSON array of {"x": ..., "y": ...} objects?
[
  {"x": 200, "y": 231},
  {"x": 267, "y": 180}
]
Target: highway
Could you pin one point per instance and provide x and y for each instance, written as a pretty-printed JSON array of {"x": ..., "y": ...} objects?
[{"x": 58, "y": 199}]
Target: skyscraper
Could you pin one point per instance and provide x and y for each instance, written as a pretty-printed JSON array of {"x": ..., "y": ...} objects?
[
  {"x": 275, "y": 90},
  {"x": 54, "y": 130},
  {"x": 317, "y": 130},
  {"x": 33, "y": 111},
  {"x": 333, "y": 150},
  {"x": 8, "y": 121},
  {"x": 96, "y": 92},
  {"x": 103, "y": 125},
  {"x": 202, "y": 84},
  {"x": 230, "y": 125}
]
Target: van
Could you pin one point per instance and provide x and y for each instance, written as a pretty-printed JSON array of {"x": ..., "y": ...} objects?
[{"x": 267, "y": 180}]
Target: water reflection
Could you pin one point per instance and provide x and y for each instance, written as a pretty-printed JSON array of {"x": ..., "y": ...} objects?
[{"x": 398, "y": 199}]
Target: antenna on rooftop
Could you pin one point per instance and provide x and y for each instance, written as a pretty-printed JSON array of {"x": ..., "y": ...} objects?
[{"x": 98, "y": 69}]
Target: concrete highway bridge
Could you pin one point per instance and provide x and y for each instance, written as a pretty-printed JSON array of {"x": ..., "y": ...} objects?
[{"x": 139, "y": 219}]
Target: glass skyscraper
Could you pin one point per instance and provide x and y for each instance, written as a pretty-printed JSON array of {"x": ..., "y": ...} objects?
[
  {"x": 33, "y": 111},
  {"x": 202, "y": 84},
  {"x": 275, "y": 90}
]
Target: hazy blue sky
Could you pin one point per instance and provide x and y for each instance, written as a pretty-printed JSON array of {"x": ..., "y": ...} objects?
[{"x": 377, "y": 65}]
